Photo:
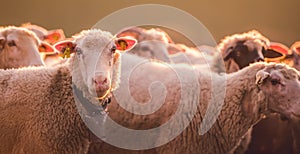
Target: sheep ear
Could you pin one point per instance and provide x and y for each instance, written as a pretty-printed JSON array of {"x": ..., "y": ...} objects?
[
  {"x": 46, "y": 48},
  {"x": 261, "y": 76},
  {"x": 166, "y": 35},
  {"x": 281, "y": 48},
  {"x": 134, "y": 32},
  {"x": 272, "y": 55},
  {"x": 54, "y": 36},
  {"x": 296, "y": 47},
  {"x": 173, "y": 49},
  {"x": 276, "y": 52},
  {"x": 64, "y": 46},
  {"x": 125, "y": 43}
]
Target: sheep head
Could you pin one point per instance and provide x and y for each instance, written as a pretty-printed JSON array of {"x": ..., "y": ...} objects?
[
  {"x": 51, "y": 37},
  {"x": 280, "y": 84},
  {"x": 95, "y": 63},
  {"x": 239, "y": 50},
  {"x": 152, "y": 43},
  {"x": 20, "y": 47}
]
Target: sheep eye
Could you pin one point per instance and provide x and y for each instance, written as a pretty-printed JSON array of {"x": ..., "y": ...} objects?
[
  {"x": 238, "y": 53},
  {"x": 275, "y": 82},
  {"x": 145, "y": 48},
  {"x": 11, "y": 43},
  {"x": 78, "y": 51},
  {"x": 113, "y": 49}
]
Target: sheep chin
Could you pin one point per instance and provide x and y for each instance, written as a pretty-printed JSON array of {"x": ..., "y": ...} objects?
[{"x": 102, "y": 95}]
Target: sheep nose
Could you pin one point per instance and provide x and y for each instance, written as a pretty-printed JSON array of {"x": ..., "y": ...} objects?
[{"x": 100, "y": 80}]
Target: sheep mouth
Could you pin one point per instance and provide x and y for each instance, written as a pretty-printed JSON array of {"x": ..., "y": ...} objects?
[
  {"x": 290, "y": 116},
  {"x": 102, "y": 94},
  {"x": 101, "y": 90}
]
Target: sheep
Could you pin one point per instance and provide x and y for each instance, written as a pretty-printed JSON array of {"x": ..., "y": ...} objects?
[
  {"x": 251, "y": 92},
  {"x": 20, "y": 47},
  {"x": 239, "y": 50},
  {"x": 274, "y": 134},
  {"x": 152, "y": 43},
  {"x": 52, "y": 36},
  {"x": 38, "y": 111},
  {"x": 271, "y": 51}
]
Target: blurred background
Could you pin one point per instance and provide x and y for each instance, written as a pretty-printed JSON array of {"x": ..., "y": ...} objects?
[{"x": 278, "y": 20}]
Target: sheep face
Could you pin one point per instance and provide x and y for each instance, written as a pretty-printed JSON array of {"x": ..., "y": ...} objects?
[
  {"x": 20, "y": 47},
  {"x": 243, "y": 55},
  {"x": 239, "y": 50},
  {"x": 96, "y": 57},
  {"x": 152, "y": 50},
  {"x": 280, "y": 84}
]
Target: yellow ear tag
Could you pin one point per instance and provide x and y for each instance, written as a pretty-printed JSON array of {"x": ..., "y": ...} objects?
[
  {"x": 123, "y": 44},
  {"x": 67, "y": 53},
  {"x": 55, "y": 37}
]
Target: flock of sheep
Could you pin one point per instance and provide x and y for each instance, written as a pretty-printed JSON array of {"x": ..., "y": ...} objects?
[{"x": 39, "y": 114}]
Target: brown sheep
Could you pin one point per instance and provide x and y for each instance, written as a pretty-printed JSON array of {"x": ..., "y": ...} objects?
[{"x": 239, "y": 50}]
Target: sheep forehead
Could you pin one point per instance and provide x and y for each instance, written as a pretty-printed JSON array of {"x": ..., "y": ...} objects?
[
  {"x": 285, "y": 71},
  {"x": 35, "y": 28},
  {"x": 93, "y": 39},
  {"x": 251, "y": 36},
  {"x": 157, "y": 35},
  {"x": 18, "y": 32}
]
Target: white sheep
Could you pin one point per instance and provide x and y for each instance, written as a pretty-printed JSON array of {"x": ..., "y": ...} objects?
[
  {"x": 20, "y": 47},
  {"x": 251, "y": 92},
  {"x": 38, "y": 111}
]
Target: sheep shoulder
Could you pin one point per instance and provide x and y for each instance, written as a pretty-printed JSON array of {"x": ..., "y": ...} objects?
[{"x": 41, "y": 100}]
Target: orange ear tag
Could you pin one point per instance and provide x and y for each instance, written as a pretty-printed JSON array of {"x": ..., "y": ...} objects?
[{"x": 124, "y": 44}]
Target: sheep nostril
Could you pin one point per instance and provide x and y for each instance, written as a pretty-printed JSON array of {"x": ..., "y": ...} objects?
[{"x": 104, "y": 81}]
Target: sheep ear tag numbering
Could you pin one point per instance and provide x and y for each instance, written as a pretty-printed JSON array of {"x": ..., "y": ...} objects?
[
  {"x": 65, "y": 48},
  {"x": 125, "y": 44}
]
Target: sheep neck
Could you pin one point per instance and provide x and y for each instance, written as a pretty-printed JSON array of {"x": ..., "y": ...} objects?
[
  {"x": 90, "y": 108},
  {"x": 239, "y": 113}
]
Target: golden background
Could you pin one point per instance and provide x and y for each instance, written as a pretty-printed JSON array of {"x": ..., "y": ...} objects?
[{"x": 277, "y": 19}]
